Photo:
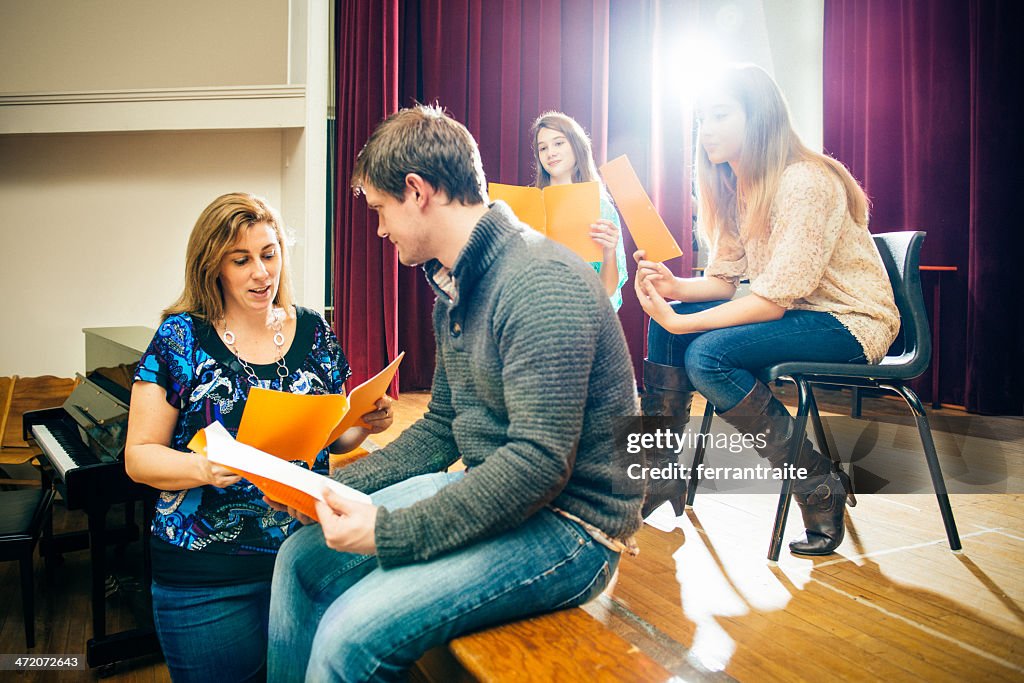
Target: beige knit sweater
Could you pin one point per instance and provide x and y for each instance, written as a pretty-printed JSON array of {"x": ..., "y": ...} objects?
[{"x": 815, "y": 257}]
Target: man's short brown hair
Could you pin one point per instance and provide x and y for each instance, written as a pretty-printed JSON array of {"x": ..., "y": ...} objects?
[{"x": 426, "y": 141}]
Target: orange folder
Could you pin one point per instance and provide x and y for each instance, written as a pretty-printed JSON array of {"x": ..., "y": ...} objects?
[
  {"x": 645, "y": 225},
  {"x": 279, "y": 480},
  {"x": 290, "y": 426},
  {"x": 282, "y": 493},
  {"x": 297, "y": 426},
  {"x": 363, "y": 398},
  {"x": 561, "y": 212}
]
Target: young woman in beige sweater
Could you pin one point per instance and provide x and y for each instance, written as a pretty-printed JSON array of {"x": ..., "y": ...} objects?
[{"x": 794, "y": 222}]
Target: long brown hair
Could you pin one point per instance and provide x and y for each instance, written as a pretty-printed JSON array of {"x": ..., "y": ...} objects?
[
  {"x": 586, "y": 169},
  {"x": 218, "y": 228},
  {"x": 770, "y": 145}
]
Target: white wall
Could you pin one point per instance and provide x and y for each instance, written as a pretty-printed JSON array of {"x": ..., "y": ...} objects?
[
  {"x": 95, "y": 228},
  {"x": 784, "y": 37},
  {"x": 95, "y": 224},
  {"x": 61, "y": 45},
  {"x": 794, "y": 29}
]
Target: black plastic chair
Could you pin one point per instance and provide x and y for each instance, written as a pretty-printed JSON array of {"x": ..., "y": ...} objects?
[
  {"x": 907, "y": 359},
  {"x": 22, "y": 515}
]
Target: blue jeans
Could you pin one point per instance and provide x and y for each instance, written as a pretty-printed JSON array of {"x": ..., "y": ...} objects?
[
  {"x": 351, "y": 620},
  {"x": 213, "y": 633},
  {"x": 721, "y": 363}
]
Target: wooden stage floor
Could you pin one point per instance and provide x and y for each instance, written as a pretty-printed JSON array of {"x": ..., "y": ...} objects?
[{"x": 894, "y": 603}]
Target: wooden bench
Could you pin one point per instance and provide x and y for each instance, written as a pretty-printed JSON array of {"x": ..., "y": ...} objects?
[
  {"x": 17, "y": 396},
  {"x": 569, "y": 646}
]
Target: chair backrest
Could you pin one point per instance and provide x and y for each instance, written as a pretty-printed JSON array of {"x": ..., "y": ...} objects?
[{"x": 901, "y": 255}]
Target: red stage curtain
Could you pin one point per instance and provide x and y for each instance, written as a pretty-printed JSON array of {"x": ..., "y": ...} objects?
[
  {"x": 655, "y": 130},
  {"x": 995, "y": 334},
  {"x": 495, "y": 67},
  {"x": 366, "y": 267},
  {"x": 915, "y": 102}
]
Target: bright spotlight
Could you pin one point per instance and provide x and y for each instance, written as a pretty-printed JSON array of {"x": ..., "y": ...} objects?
[{"x": 687, "y": 67}]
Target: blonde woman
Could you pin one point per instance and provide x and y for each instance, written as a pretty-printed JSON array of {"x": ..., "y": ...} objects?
[
  {"x": 794, "y": 222},
  {"x": 214, "y": 538},
  {"x": 562, "y": 155}
]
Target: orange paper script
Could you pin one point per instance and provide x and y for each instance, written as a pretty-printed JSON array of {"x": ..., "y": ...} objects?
[
  {"x": 645, "y": 225},
  {"x": 297, "y": 427},
  {"x": 562, "y": 212},
  {"x": 280, "y": 481}
]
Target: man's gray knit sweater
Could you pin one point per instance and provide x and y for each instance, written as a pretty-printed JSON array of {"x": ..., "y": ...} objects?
[{"x": 531, "y": 373}]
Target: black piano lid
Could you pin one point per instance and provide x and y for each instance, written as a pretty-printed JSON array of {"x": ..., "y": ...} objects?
[
  {"x": 101, "y": 416},
  {"x": 111, "y": 356},
  {"x": 113, "y": 386}
]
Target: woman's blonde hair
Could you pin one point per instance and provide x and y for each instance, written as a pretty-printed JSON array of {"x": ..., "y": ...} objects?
[
  {"x": 586, "y": 169},
  {"x": 218, "y": 228},
  {"x": 770, "y": 145}
]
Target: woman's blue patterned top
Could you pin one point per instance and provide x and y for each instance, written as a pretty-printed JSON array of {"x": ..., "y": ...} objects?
[{"x": 205, "y": 382}]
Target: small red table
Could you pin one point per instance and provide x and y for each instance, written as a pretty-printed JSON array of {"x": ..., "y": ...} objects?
[{"x": 936, "y": 315}]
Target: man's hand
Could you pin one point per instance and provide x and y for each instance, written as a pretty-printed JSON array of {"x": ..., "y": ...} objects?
[{"x": 348, "y": 526}]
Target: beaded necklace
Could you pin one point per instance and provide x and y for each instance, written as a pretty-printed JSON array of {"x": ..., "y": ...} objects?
[{"x": 277, "y": 326}]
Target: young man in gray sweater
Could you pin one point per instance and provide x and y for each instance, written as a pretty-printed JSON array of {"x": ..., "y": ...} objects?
[{"x": 532, "y": 373}]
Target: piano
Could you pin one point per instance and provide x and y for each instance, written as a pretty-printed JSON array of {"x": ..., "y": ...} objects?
[{"x": 82, "y": 444}]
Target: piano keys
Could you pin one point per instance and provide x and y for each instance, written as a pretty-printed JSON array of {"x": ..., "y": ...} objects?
[
  {"x": 83, "y": 441},
  {"x": 65, "y": 452},
  {"x": 82, "y": 444}
]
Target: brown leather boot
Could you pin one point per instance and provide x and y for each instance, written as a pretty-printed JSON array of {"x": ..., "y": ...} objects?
[
  {"x": 824, "y": 512},
  {"x": 822, "y": 495},
  {"x": 668, "y": 394}
]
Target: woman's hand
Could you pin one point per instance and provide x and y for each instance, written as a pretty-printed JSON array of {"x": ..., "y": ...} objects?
[
  {"x": 292, "y": 512},
  {"x": 655, "y": 275},
  {"x": 661, "y": 312},
  {"x": 373, "y": 422},
  {"x": 213, "y": 474},
  {"x": 606, "y": 234},
  {"x": 381, "y": 418}
]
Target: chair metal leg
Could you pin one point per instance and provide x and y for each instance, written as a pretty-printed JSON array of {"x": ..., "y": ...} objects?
[
  {"x": 46, "y": 540},
  {"x": 819, "y": 428},
  {"x": 698, "y": 454},
  {"x": 28, "y": 600},
  {"x": 796, "y": 443},
  {"x": 825, "y": 444},
  {"x": 938, "y": 482}
]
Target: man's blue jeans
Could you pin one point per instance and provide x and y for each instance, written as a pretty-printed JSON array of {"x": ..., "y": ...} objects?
[
  {"x": 351, "y": 620},
  {"x": 721, "y": 363}
]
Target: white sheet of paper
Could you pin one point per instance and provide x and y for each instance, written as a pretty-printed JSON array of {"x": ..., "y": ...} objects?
[{"x": 222, "y": 448}]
